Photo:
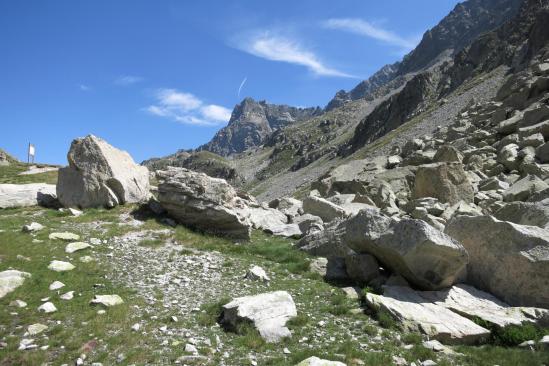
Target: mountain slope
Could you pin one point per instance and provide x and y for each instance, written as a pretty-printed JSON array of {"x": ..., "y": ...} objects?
[{"x": 251, "y": 122}]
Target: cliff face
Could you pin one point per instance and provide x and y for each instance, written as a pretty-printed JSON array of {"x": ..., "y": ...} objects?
[
  {"x": 511, "y": 44},
  {"x": 251, "y": 122},
  {"x": 457, "y": 30}
]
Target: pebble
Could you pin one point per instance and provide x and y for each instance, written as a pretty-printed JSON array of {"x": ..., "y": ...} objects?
[
  {"x": 47, "y": 307},
  {"x": 56, "y": 285}
]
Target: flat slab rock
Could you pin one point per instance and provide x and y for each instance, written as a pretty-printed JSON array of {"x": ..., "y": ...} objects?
[
  {"x": 471, "y": 302},
  {"x": 76, "y": 246},
  {"x": 107, "y": 300},
  {"x": 417, "y": 314},
  {"x": 60, "y": 266},
  {"x": 315, "y": 361},
  {"x": 445, "y": 315},
  {"x": 10, "y": 280},
  {"x": 64, "y": 236},
  {"x": 24, "y": 195},
  {"x": 268, "y": 313}
]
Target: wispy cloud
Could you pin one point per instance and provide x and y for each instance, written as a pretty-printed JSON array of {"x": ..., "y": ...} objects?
[
  {"x": 282, "y": 49},
  {"x": 125, "y": 80},
  {"x": 371, "y": 30},
  {"x": 187, "y": 108},
  {"x": 84, "y": 87}
]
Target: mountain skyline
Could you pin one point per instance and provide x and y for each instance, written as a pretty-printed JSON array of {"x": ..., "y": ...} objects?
[{"x": 158, "y": 79}]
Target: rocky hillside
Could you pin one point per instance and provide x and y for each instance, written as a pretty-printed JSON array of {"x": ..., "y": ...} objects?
[
  {"x": 6, "y": 159},
  {"x": 457, "y": 30}
]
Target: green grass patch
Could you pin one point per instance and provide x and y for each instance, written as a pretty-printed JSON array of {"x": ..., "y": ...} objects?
[{"x": 10, "y": 174}]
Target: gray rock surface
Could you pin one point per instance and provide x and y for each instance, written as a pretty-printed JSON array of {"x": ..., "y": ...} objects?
[
  {"x": 99, "y": 175},
  {"x": 445, "y": 181},
  {"x": 203, "y": 202},
  {"x": 23, "y": 195},
  {"x": 10, "y": 280},
  {"x": 267, "y": 312},
  {"x": 507, "y": 260}
]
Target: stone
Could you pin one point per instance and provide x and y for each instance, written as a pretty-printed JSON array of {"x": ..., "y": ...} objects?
[
  {"x": 64, "y": 236},
  {"x": 447, "y": 182},
  {"x": 323, "y": 208},
  {"x": 67, "y": 295},
  {"x": 448, "y": 154},
  {"x": 289, "y": 206},
  {"x": 308, "y": 224},
  {"x": 47, "y": 307},
  {"x": 56, "y": 285},
  {"x": 507, "y": 260},
  {"x": 420, "y": 253},
  {"x": 542, "y": 153},
  {"x": 475, "y": 304},
  {"x": 18, "y": 303},
  {"x": 25, "y": 195},
  {"x": 393, "y": 161},
  {"x": 256, "y": 273},
  {"x": 352, "y": 293},
  {"x": 361, "y": 268},
  {"x": 524, "y": 188},
  {"x": 267, "y": 312},
  {"x": 191, "y": 349},
  {"x": 315, "y": 361},
  {"x": 76, "y": 246},
  {"x": 60, "y": 266},
  {"x": 107, "y": 300},
  {"x": 414, "y": 313},
  {"x": 99, "y": 175},
  {"x": 199, "y": 201},
  {"x": 10, "y": 280},
  {"x": 269, "y": 220},
  {"x": 525, "y": 213},
  {"x": 37, "y": 328},
  {"x": 32, "y": 227},
  {"x": 508, "y": 156},
  {"x": 74, "y": 212}
]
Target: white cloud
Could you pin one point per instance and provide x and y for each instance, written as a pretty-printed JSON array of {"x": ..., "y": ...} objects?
[
  {"x": 186, "y": 108},
  {"x": 216, "y": 112},
  {"x": 282, "y": 49},
  {"x": 127, "y": 80},
  {"x": 368, "y": 29},
  {"x": 84, "y": 87}
]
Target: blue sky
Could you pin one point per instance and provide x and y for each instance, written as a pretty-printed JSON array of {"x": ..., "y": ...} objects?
[{"x": 152, "y": 77}]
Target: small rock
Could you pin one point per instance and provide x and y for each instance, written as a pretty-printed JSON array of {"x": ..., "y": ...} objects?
[
  {"x": 136, "y": 327},
  {"x": 64, "y": 236},
  {"x": 67, "y": 296},
  {"x": 56, "y": 285},
  {"x": 286, "y": 351},
  {"x": 86, "y": 259},
  {"x": 191, "y": 349},
  {"x": 37, "y": 328},
  {"x": 107, "y": 300},
  {"x": 60, "y": 266},
  {"x": 76, "y": 246},
  {"x": 74, "y": 212},
  {"x": 256, "y": 273},
  {"x": 47, "y": 307},
  {"x": 32, "y": 227},
  {"x": 18, "y": 303}
]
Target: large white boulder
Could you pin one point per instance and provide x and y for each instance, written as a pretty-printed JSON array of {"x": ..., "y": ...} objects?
[
  {"x": 99, "y": 175},
  {"x": 267, "y": 312},
  {"x": 508, "y": 260},
  {"x": 23, "y": 195},
  {"x": 200, "y": 201}
]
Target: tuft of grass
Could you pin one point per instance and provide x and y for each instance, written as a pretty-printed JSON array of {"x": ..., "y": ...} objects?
[
  {"x": 386, "y": 320},
  {"x": 412, "y": 338},
  {"x": 210, "y": 313},
  {"x": 297, "y": 322},
  {"x": 340, "y": 304},
  {"x": 249, "y": 337}
]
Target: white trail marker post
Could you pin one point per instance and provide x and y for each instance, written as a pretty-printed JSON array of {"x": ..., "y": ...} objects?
[{"x": 31, "y": 153}]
